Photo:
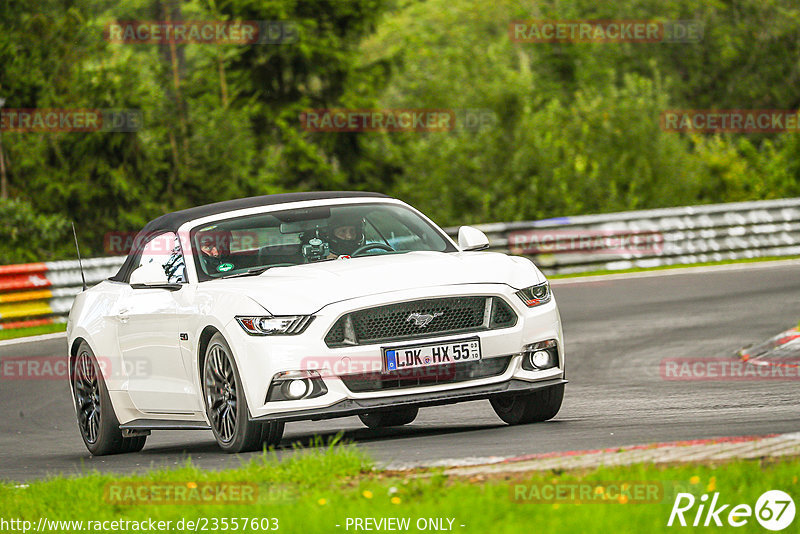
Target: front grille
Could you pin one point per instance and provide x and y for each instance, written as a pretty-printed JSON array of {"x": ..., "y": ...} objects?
[
  {"x": 426, "y": 376},
  {"x": 404, "y": 320}
]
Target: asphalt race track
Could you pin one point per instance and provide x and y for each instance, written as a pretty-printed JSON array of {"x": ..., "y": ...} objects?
[{"x": 617, "y": 331}]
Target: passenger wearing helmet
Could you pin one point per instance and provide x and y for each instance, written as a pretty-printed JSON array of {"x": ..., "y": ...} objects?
[
  {"x": 345, "y": 234},
  {"x": 215, "y": 249}
]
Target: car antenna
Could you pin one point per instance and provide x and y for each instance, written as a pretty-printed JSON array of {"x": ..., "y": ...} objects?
[{"x": 77, "y": 248}]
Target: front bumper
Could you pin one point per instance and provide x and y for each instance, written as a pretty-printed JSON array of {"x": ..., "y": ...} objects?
[
  {"x": 260, "y": 358},
  {"x": 349, "y": 407}
]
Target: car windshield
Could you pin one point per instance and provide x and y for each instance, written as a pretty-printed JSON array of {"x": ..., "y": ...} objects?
[{"x": 253, "y": 243}]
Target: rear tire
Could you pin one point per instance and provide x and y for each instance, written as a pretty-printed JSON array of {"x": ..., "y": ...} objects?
[
  {"x": 530, "y": 408},
  {"x": 97, "y": 421},
  {"x": 226, "y": 405},
  {"x": 398, "y": 417}
]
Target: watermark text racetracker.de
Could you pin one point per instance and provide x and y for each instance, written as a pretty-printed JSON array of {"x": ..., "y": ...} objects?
[
  {"x": 189, "y": 493},
  {"x": 397, "y": 120},
  {"x": 52, "y": 120},
  {"x": 730, "y": 120},
  {"x": 58, "y": 368},
  {"x": 589, "y": 492},
  {"x": 371, "y": 369},
  {"x": 726, "y": 369},
  {"x": 214, "y": 32},
  {"x": 121, "y": 243},
  {"x": 606, "y": 31},
  {"x": 586, "y": 241}
]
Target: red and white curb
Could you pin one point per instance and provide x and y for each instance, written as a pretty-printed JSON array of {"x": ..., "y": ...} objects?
[
  {"x": 780, "y": 350},
  {"x": 699, "y": 450}
]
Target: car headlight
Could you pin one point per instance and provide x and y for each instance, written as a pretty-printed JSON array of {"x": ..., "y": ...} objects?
[
  {"x": 288, "y": 325},
  {"x": 535, "y": 295}
]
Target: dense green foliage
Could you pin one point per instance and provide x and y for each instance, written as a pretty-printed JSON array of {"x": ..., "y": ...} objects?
[
  {"x": 28, "y": 236},
  {"x": 576, "y": 130}
]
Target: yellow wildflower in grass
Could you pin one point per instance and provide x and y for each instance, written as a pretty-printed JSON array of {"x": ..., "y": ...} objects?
[
  {"x": 191, "y": 485},
  {"x": 322, "y": 502},
  {"x": 396, "y": 500},
  {"x": 367, "y": 494},
  {"x": 623, "y": 499},
  {"x": 694, "y": 480},
  {"x": 712, "y": 484}
]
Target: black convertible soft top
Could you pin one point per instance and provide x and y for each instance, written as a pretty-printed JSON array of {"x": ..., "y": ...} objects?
[{"x": 170, "y": 222}]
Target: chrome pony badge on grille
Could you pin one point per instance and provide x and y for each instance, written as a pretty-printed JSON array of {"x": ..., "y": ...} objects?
[{"x": 421, "y": 320}]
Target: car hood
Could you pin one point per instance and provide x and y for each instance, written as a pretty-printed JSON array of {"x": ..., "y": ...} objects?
[{"x": 304, "y": 289}]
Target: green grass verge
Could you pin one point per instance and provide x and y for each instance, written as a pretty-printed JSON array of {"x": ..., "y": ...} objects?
[
  {"x": 33, "y": 331},
  {"x": 315, "y": 490},
  {"x": 666, "y": 267}
]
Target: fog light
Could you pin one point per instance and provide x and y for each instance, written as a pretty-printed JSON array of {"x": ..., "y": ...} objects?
[
  {"x": 295, "y": 389},
  {"x": 540, "y": 355},
  {"x": 295, "y": 385},
  {"x": 541, "y": 359}
]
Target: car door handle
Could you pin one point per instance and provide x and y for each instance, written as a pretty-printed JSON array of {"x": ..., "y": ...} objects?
[{"x": 122, "y": 315}]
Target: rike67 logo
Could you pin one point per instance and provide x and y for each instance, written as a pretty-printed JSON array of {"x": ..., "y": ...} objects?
[{"x": 774, "y": 510}]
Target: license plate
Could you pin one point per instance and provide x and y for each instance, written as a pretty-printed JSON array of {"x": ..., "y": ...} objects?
[{"x": 409, "y": 357}]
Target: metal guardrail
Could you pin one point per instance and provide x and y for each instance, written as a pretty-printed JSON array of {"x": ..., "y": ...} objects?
[
  {"x": 40, "y": 293},
  {"x": 653, "y": 238}
]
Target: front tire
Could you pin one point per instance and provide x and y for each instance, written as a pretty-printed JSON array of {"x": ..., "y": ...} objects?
[
  {"x": 226, "y": 405},
  {"x": 529, "y": 408},
  {"x": 398, "y": 417},
  {"x": 97, "y": 421}
]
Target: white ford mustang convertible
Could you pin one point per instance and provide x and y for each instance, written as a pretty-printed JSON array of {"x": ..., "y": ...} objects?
[{"x": 242, "y": 315}]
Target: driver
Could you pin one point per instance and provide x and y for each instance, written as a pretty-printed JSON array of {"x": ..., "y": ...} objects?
[{"x": 345, "y": 234}]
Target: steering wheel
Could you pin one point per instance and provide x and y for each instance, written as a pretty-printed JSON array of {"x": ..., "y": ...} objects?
[{"x": 370, "y": 246}]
